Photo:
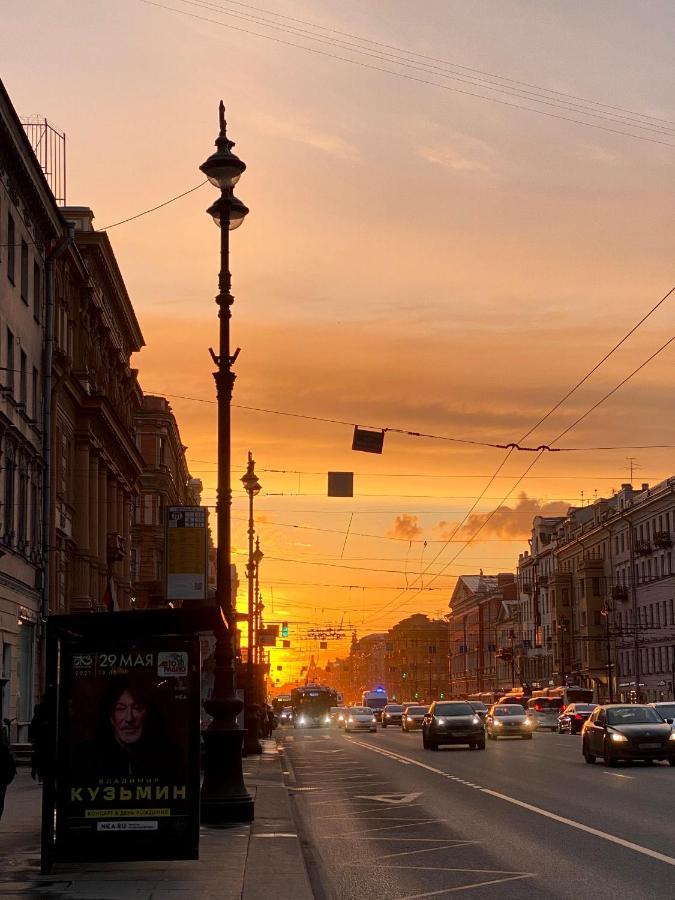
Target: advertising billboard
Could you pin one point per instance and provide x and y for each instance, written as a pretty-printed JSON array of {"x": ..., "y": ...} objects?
[
  {"x": 127, "y": 768},
  {"x": 186, "y": 553}
]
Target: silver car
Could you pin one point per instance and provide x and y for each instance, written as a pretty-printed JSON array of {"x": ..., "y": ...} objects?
[
  {"x": 509, "y": 720},
  {"x": 360, "y": 718}
]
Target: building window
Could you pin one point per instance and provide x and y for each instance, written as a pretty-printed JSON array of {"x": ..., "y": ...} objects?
[
  {"x": 37, "y": 291},
  {"x": 9, "y": 369},
  {"x": 24, "y": 271},
  {"x": 11, "y": 248},
  {"x": 23, "y": 382},
  {"x": 22, "y": 510},
  {"x": 8, "y": 510},
  {"x": 34, "y": 393}
]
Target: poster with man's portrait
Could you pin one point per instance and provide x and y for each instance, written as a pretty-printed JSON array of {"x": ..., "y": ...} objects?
[{"x": 128, "y": 767}]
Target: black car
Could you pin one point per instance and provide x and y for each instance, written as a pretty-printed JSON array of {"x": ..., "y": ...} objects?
[
  {"x": 480, "y": 708},
  {"x": 572, "y": 718},
  {"x": 392, "y": 714},
  {"x": 452, "y": 723},
  {"x": 412, "y": 717},
  {"x": 633, "y": 731}
]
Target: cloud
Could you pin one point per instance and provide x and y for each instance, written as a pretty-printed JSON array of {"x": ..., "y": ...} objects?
[
  {"x": 406, "y": 527},
  {"x": 457, "y": 152},
  {"x": 303, "y": 132},
  {"x": 509, "y": 522}
]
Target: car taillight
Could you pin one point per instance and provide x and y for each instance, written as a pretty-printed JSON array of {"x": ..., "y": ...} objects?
[
  {"x": 538, "y": 707},
  {"x": 578, "y": 716}
]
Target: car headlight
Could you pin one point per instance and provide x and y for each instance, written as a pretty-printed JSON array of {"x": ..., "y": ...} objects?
[
  {"x": 301, "y": 720},
  {"x": 618, "y": 738},
  {"x": 408, "y": 718},
  {"x": 497, "y": 723},
  {"x": 350, "y": 719},
  {"x": 475, "y": 720},
  {"x": 440, "y": 721},
  {"x": 387, "y": 715},
  {"x": 374, "y": 719},
  {"x": 529, "y": 722},
  {"x": 326, "y": 719},
  {"x": 672, "y": 736}
]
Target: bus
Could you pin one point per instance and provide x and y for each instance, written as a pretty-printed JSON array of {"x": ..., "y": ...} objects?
[
  {"x": 311, "y": 705},
  {"x": 567, "y": 694},
  {"x": 375, "y": 700}
]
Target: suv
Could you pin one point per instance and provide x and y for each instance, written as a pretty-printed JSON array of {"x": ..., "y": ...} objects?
[{"x": 392, "y": 714}]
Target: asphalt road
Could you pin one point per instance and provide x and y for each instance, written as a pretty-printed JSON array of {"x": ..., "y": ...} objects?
[{"x": 381, "y": 817}]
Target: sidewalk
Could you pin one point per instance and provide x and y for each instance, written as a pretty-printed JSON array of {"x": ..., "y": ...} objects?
[{"x": 246, "y": 862}]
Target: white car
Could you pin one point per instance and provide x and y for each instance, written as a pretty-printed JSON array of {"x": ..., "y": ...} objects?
[{"x": 360, "y": 718}]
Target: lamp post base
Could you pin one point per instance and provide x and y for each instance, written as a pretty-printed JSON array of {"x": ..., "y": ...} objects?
[{"x": 224, "y": 798}]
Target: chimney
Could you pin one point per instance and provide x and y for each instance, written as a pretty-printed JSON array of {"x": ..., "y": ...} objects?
[{"x": 645, "y": 486}]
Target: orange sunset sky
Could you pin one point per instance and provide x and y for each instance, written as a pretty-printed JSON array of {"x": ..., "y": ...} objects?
[{"x": 416, "y": 257}]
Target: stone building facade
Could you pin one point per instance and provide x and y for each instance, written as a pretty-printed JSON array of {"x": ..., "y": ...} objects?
[
  {"x": 416, "y": 659},
  {"x": 96, "y": 464},
  {"x": 165, "y": 481},
  {"x": 30, "y": 228}
]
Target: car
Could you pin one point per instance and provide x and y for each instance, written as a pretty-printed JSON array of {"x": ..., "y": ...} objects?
[
  {"x": 412, "y": 718},
  {"x": 545, "y": 711},
  {"x": 630, "y": 731},
  {"x": 286, "y": 716},
  {"x": 480, "y": 708},
  {"x": 666, "y": 709},
  {"x": 452, "y": 722},
  {"x": 509, "y": 720},
  {"x": 392, "y": 714},
  {"x": 572, "y": 718},
  {"x": 341, "y": 716},
  {"x": 360, "y": 718}
]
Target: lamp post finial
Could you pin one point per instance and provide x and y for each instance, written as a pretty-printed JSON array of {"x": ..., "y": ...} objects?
[{"x": 221, "y": 118}]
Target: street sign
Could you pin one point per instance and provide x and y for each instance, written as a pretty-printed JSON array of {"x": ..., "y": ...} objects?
[
  {"x": 367, "y": 441},
  {"x": 340, "y": 484},
  {"x": 186, "y": 552}
]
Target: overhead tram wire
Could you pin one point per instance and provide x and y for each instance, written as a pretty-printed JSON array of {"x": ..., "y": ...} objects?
[
  {"x": 569, "y": 428},
  {"x": 475, "y": 79},
  {"x": 421, "y": 434},
  {"x": 446, "y": 62},
  {"x": 403, "y": 75}
]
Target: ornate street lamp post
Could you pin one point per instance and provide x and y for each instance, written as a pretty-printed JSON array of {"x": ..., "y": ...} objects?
[
  {"x": 258, "y": 557},
  {"x": 252, "y": 487},
  {"x": 224, "y": 797}
]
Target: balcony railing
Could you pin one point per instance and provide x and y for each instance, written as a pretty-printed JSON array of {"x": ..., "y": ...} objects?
[
  {"x": 663, "y": 539},
  {"x": 643, "y": 548}
]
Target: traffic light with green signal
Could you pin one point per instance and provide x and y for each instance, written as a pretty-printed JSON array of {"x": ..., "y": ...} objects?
[{"x": 284, "y": 629}]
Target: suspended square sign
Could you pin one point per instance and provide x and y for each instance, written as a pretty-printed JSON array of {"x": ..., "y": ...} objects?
[
  {"x": 367, "y": 441},
  {"x": 323, "y": 645},
  {"x": 340, "y": 484},
  {"x": 186, "y": 552}
]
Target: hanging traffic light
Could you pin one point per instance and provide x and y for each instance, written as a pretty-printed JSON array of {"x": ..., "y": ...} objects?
[{"x": 284, "y": 629}]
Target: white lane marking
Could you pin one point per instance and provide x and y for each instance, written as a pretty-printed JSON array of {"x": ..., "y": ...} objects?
[
  {"x": 369, "y": 818},
  {"x": 330, "y": 837},
  {"x": 427, "y": 850},
  {"x": 572, "y": 823},
  {"x": 612, "y": 838},
  {"x": 452, "y": 869},
  {"x": 394, "y": 799},
  {"x": 464, "y": 887},
  {"x": 276, "y": 834},
  {"x": 617, "y": 775},
  {"x": 396, "y": 839}
]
